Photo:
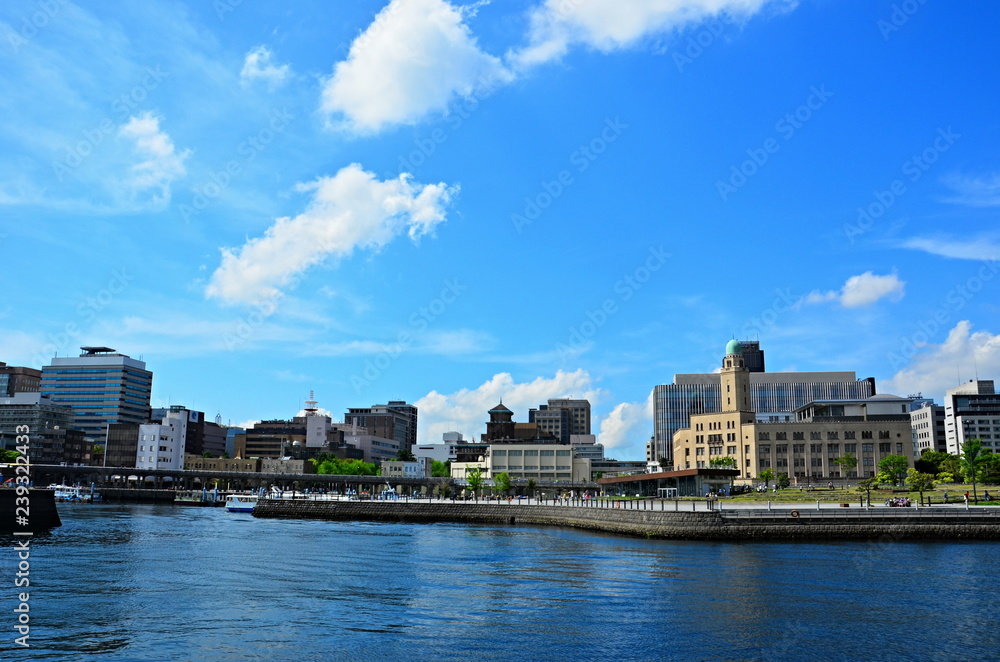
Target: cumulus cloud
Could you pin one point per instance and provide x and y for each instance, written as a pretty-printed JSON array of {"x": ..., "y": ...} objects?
[
  {"x": 416, "y": 58},
  {"x": 159, "y": 163},
  {"x": 466, "y": 410},
  {"x": 935, "y": 368},
  {"x": 257, "y": 66},
  {"x": 609, "y": 25},
  {"x": 352, "y": 209},
  {"x": 628, "y": 426},
  {"x": 862, "y": 290}
]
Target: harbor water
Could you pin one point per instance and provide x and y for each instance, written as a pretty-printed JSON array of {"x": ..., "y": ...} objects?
[{"x": 161, "y": 582}]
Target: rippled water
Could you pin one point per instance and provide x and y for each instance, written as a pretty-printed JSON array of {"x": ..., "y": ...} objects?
[{"x": 176, "y": 583}]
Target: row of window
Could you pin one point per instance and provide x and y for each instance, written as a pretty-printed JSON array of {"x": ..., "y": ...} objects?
[
  {"x": 831, "y": 449},
  {"x": 544, "y": 467},
  {"x": 816, "y": 436},
  {"x": 531, "y": 453}
]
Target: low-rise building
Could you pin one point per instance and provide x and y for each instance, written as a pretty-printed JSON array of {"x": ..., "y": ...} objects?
[
  {"x": 286, "y": 465},
  {"x": 199, "y": 463},
  {"x": 396, "y": 469},
  {"x": 524, "y": 461}
]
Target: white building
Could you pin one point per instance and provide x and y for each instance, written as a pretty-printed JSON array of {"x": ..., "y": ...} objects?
[
  {"x": 972, "y": 411},
  {"x": 161, "y": 445},
  {"x": 396, "y": 469},
  {"x": 523, "y": 461},
  {"x": 928, "y": 425}
]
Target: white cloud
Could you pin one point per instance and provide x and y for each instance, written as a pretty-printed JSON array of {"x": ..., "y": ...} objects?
[
  {"x": 159, "y": 163},
  {"x": 350, "y": 210},
  {"x": 258, "y": 66},
  {"x": 466, "y": 410},
  {"x": 981, "y": 248},
  {"x": 609, "y": 25},
  {"x": 862, "y": 290},
  {"x": 974, "y": 191},
  {"x": 936, "y": 368},
  {"x": 628, "y": 426},
  {"x": 415, "y": 58}
]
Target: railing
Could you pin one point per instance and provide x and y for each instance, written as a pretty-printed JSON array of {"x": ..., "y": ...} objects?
[{"x": 987, "y": 515}]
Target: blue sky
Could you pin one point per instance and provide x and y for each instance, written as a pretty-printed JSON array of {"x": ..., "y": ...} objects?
[{"x": 449, "y": 204}]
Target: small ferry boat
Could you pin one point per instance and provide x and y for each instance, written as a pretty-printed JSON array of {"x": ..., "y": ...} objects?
[
  {"x": 241, "y": 503},
  {"x": 71, "y": 493}
]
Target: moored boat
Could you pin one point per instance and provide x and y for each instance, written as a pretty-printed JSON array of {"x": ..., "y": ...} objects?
[{"x": 241, "y": 503}]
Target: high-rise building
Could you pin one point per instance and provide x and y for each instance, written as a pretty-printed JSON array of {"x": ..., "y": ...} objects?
[
  {"x": 16, "y": 379},
  {"x": 52, "y": 439},
  {"x": 121, "y": 445},
  {"x": 972, "y": 411},
  {"x": 562, "y": 418},
  {"x": 396, "y": 420},
  {"x": 100, "y": 386},
  {"x": 807, "y": 446},
  {"x": 927, "y": 424},
  {"x": 774, "y": 396}
]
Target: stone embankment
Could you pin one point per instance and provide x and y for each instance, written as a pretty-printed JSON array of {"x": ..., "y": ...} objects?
[
  {"x": 731, "y": 525},
  {"x": 34, "y": 512}
]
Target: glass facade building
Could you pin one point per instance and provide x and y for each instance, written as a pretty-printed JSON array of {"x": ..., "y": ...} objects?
[
  {"x": 773, "y": 395},
  {"x": 100, "y": 387}
]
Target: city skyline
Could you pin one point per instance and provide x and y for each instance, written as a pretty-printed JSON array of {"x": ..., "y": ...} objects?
[{"x": 533, "y": 202}]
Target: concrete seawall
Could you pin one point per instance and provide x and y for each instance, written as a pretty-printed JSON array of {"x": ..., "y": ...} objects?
[
  {"x": 40, "y": 508},
  {"x": 732, "y": 526}
]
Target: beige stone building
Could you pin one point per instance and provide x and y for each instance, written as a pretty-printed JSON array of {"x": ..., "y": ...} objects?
[{"x": 802, "y": 443}]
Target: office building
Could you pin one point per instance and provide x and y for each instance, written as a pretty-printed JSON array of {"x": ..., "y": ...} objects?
[
  {"x": 15, "y": 379},
  {"x": 100, "y": 386},
  {"x": 162, "y": 445},
  {"x": 972, "y": 411},
  {"x": 772, "y": 396},
  {"x": 547, "y": 462},
  {"x": 51, "y": 437},
  {"x": 561, "y": 418},
  {"x": 803, "y": 445},
  {"x": 396, "y": 420},
  {"x": 121, "y": 445},
  {"x": 928, "y": 428}
]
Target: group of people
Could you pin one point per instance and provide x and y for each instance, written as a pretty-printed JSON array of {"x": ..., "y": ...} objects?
[{"x": 898, "y": 502}]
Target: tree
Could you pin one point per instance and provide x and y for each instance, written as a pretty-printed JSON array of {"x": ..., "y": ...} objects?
[
  {"x": 475, "y": 480},
  {"x": 664, "y": 463},
  {"x": 935, "y": 462},
  {"x": 894, "y": 468},
  {"x": 972, "y": 458},
  {"x": 920, "y": 482},
  {"x": 440, "y": 469},
  {"x": 847, "y": 464},
  {"x": 867, "y": 485},
  {"x": 989, "y": 472},
  {"x": 404, "y": 455},
  {"x": 224, "y": 456},
  {"x": 207, "y": 454},
  {"x": 767, "y": 475},
  {"x": 723, "y": 462},
  {"x": 599, "y": 475},
  {"x": 98, "y": 449},
  {"x": 501, "y": 482},
  {"x": 783, "y": 480},
  {"x": 532, "y": 484},
  {"x": 9, "y": 455}
]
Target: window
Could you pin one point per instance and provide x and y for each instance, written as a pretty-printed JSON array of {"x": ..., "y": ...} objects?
[
  {"x": 883, "y": 434},
  {"x": 765, "y": 449},
  {"x": 764, "y": 436},
  {"x": 866, "y": 434},
  {"x": 515, "y": 453},
  {"x": 867, "y": 448},
  {"x": 850, "y": 448},
  {"x": 530, "y": 453},
  {"x": 563, "y": 453},
  {"x": 781, "y": 436},
  {"x": 832, "y": 435},
  {"x": 699, "y": 451},
  {"x": 547, "y": 453},
  {"x": 817, "y": 462},
  {"x": 814, "y": 436},
  {"x": 782, "y": 462},
  {"x": 781, "y": 449},
  {"x": 815, "y": 448},
  {"x": 798, "y": 436},
  {"x": 499, "y": 453},
  {"x": 899, "y": 448},
  {"x": 849, "y": 434},
  {"x": 798, "y": 448},
  {"x": 884, "y": 448},
  {"x": 833, "y": 449}
]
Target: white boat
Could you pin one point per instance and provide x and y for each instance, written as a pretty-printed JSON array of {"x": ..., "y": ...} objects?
[
  {"x": 241, "y": 503},
  {"x": 71, "y": 493}
]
